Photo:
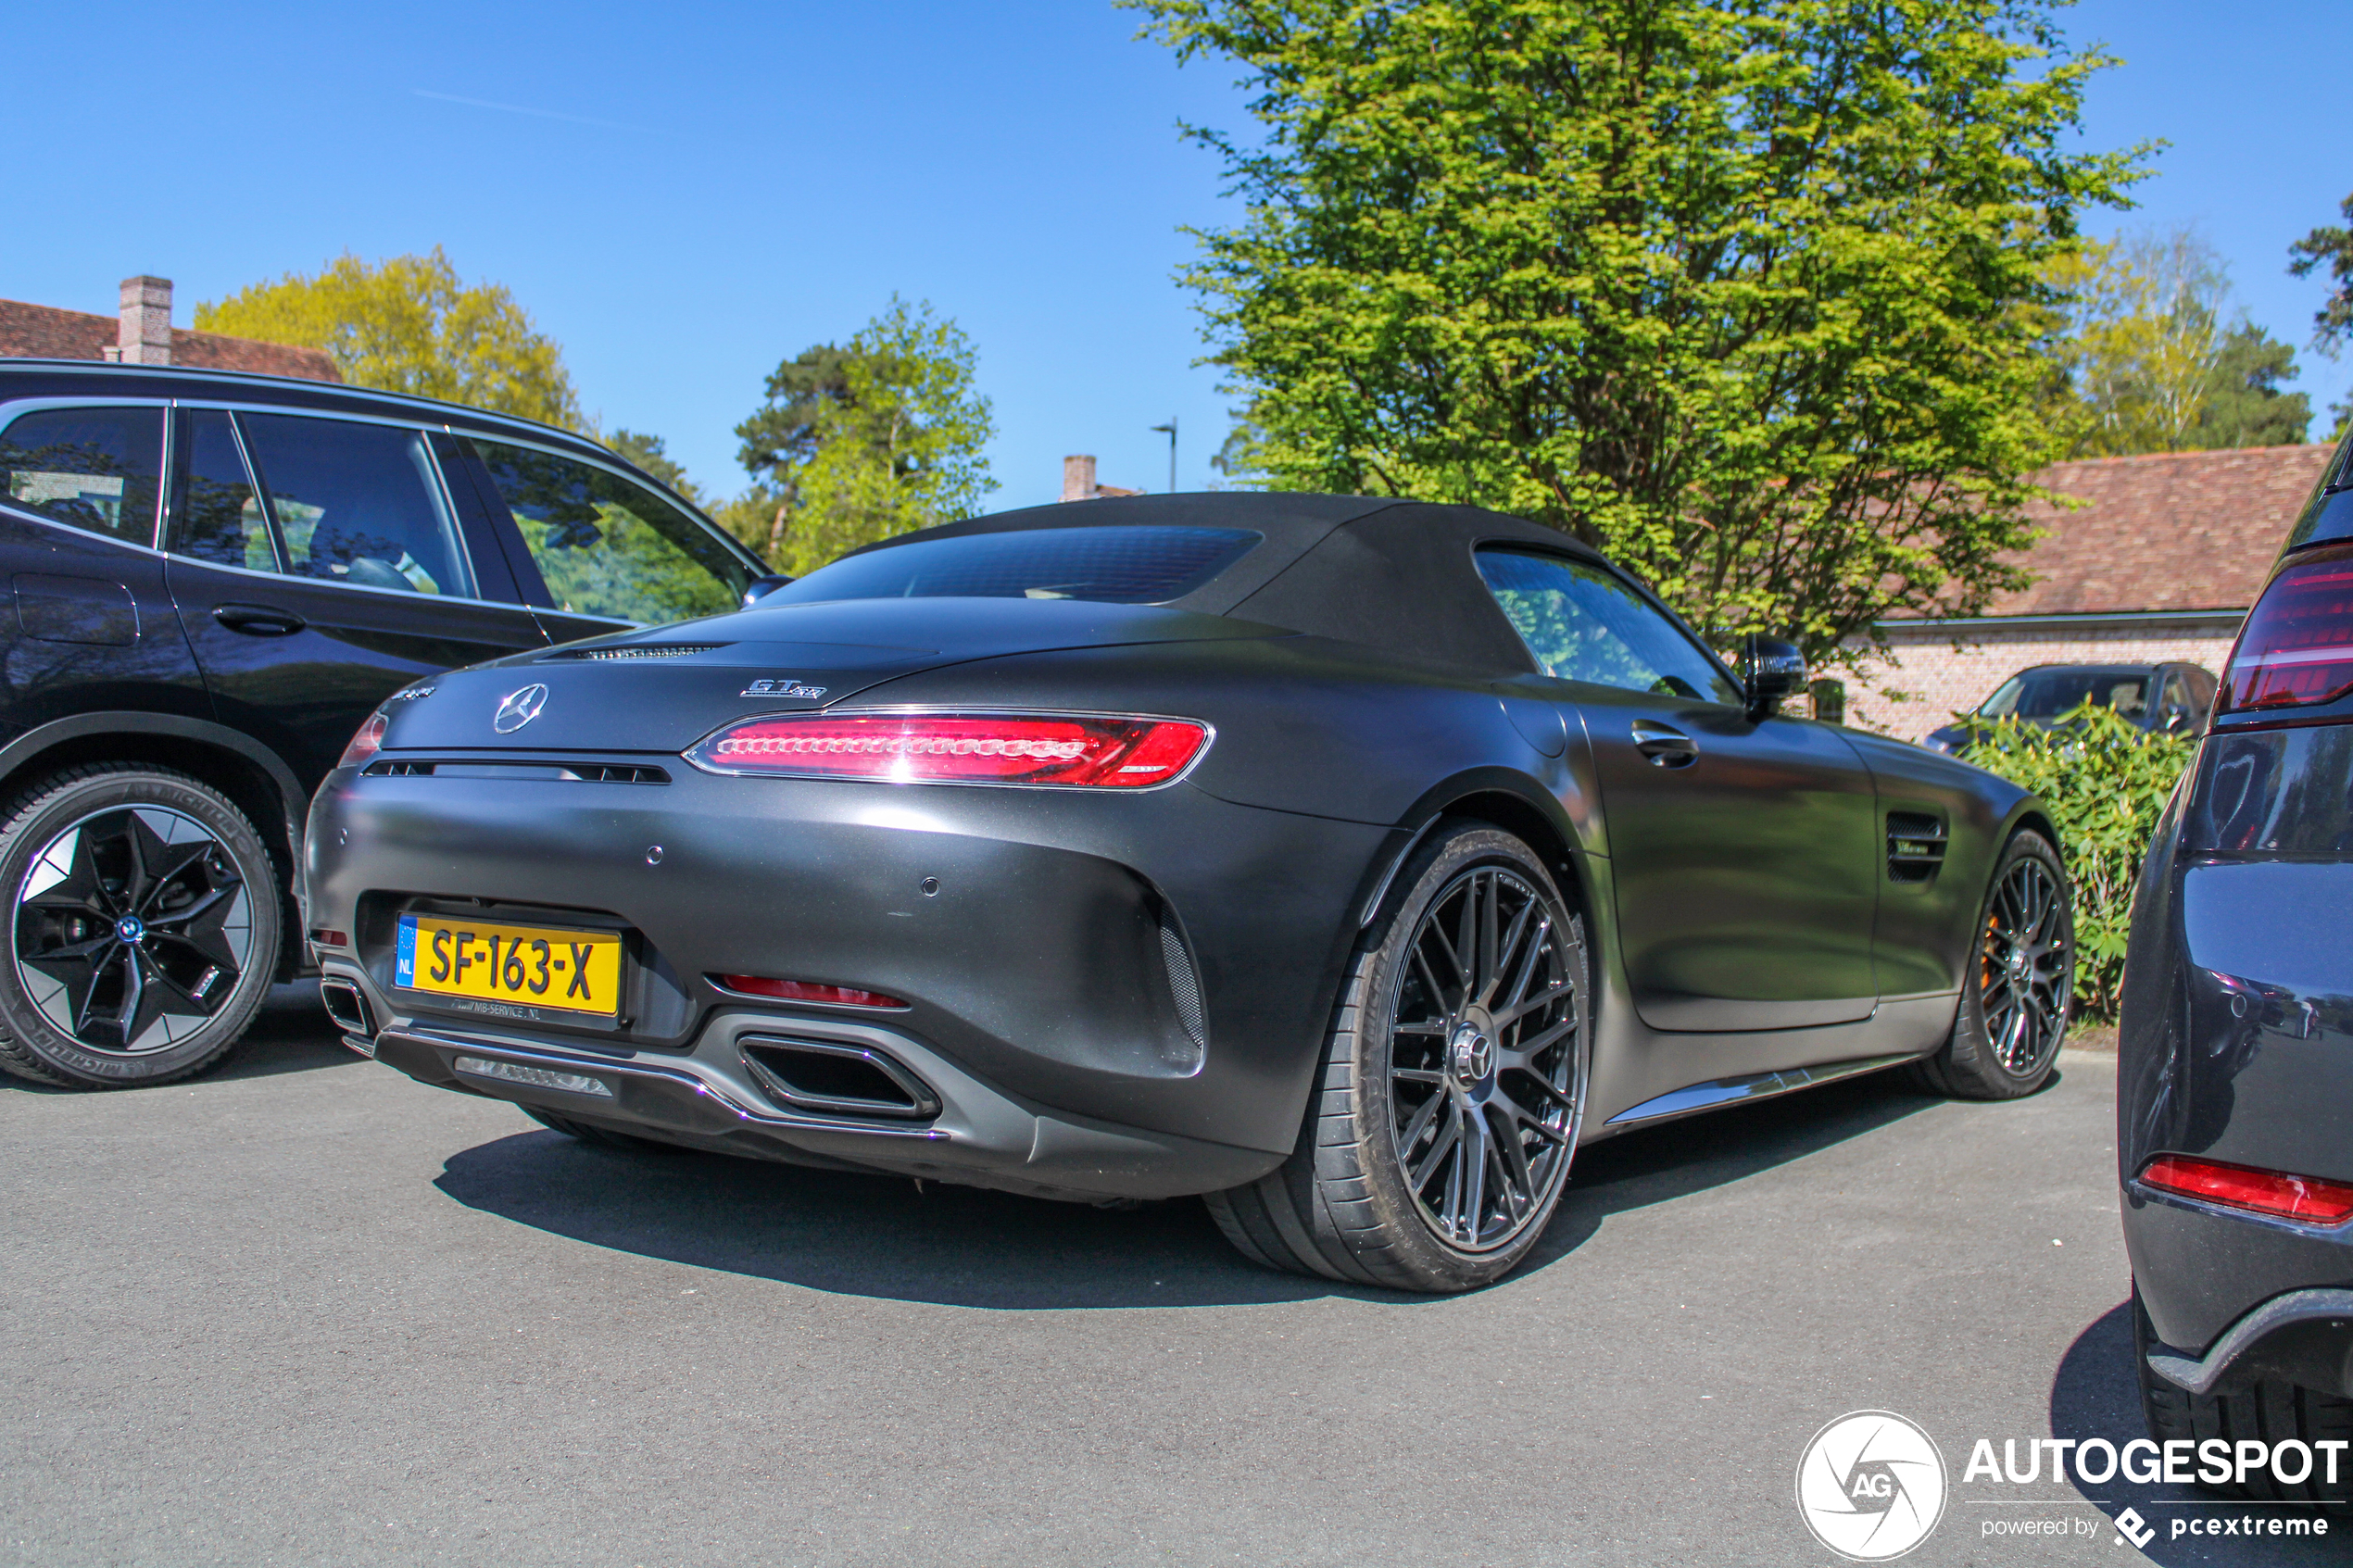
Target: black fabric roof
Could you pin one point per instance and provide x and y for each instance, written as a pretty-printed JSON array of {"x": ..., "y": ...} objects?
[{"x": 1391, "y": 574}]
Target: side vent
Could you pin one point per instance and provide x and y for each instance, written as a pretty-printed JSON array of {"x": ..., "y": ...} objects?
[
  {"x": 1915, "y": 846},
  {"x": 826, "y": 1079},
  {"x": 1184, "y": 989}
]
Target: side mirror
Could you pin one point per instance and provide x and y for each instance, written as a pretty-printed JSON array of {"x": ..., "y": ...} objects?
[
  {"x": 1771, "y": 671},
  {"x": 760, "y": 587}
]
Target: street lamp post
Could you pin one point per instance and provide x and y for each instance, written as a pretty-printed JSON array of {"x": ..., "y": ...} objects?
[{"x": 1171, "y": 428}]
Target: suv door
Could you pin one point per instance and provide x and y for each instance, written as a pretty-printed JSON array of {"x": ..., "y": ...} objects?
[
  {"x": 594, "y": 551},
  {"x": 92, "y": 626},
  {"x": 1745, "y": 855},
  {"x": 319, "y": 566}
]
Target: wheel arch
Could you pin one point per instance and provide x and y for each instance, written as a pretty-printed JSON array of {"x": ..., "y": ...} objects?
[
  {"x": 256, "y": 780},
  {"x": 1499, "y": 798}
]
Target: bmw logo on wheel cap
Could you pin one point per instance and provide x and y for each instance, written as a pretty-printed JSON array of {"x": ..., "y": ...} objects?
[
  {"x": 518, "y": 708},
  {"x": 1871, "y": 1486}
]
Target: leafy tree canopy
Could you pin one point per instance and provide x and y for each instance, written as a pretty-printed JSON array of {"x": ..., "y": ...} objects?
[
  {"x": 2151, "y": 358},
  {"x": 651, "y": 454},
  {"x": 410, "y": 324},
  {"x": 2330, "y": 245},
  {"x": 1736, "y": 290},
  {"x": 867, "y": 439}
]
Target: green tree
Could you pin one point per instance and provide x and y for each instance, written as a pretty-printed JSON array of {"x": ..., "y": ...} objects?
[
  {"x": 2150, "y": 358},
  {"x": 410, "y": 324},
  {"x": 2243, "y": 404},
  {"x": 870, "y": 438},
  {"x": 650, "y": 453},
  {"x": 2330, "y": 245},
  {"x": 1732, "y": 289}
]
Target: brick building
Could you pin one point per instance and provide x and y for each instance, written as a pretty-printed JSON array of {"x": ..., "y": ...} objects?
[
  {"x": 2160, "y": 563},
  {"x": 142, "y": 333}
]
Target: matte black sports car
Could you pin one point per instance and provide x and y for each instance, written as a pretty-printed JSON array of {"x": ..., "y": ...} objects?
[
  {"x": 1344, "y": 860},
  {"x": 2233, "y": 1096}
]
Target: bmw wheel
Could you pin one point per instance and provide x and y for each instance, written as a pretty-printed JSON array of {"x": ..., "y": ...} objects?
[
  {"x": 1452, "y": 1088},
  {"x": 144, "y": 928},
  {"x": 2015, "y": 997}
]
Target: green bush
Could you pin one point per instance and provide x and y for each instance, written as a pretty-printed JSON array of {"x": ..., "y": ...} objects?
[{"x": 2107, "y": 784}]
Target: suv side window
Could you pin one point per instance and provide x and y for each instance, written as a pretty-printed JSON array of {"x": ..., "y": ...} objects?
[
  {"x": 357, "y": 503},
  {"x": 94, "y": 469},
  {"x": 607, "y": 546},
  {"x": 219, "y": 516},
  {"x": 1584, "y": 624}
]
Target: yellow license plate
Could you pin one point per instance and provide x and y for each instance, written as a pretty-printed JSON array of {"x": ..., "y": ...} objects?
[{"x": 577, "y": 970}]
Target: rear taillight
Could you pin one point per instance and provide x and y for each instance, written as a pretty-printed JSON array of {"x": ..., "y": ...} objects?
[
  {"x": 2297, "y": 649},
  {"x": 365, "y": 743},
  {"x": 2266, "y": 1192},
  {"x": 1085, "y": 750}
]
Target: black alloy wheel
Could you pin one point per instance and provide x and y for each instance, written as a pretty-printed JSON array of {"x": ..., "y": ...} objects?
[
  {"x": 2015, "y": 997},
  {"x": 144, "y": 928},
  {"x": 1440, "y": 1128},
  {"x": 1482, "y": 1059}
]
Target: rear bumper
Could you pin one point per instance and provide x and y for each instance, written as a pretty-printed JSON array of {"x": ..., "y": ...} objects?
[
  {"x": 2236, "y": 1047},
  {"x": 1030, "y": 934},
  {"x": 710, "y": 1098}
]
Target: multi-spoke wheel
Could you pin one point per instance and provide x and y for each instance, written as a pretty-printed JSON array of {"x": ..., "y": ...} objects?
[
  {"x": 1447, "y": 1111},
  {"x": 2013, "y": 1012},
  {"x": 143, "y": 930}
]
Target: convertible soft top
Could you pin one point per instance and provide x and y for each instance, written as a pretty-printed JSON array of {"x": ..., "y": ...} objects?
[{"x": 1391, "y": 574}]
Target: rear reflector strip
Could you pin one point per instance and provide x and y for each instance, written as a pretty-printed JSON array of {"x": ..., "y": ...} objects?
[
  {"x": 806, "y": 991},
  {"x": 1070, "y": 750},
  {"x": 537, "y": 1077},
  {"x": 2264, "y": 1192}
]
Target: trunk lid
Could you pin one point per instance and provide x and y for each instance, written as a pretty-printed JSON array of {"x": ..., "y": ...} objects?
[{"x": 662, "y": 690}]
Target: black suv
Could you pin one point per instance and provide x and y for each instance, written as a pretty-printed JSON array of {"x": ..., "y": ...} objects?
[{"x": 216, "y": 578}]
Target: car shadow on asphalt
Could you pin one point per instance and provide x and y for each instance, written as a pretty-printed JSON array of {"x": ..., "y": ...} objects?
[
  {"x": 880, "y": 1235},
  {"x": 2097, "y": 1393},
  {"x": 291, "y": 1034}
]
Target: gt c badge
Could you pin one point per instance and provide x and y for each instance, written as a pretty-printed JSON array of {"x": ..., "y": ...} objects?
[
  {"x": 784, "y": 686},
  {"x": 518, "y": 708}
]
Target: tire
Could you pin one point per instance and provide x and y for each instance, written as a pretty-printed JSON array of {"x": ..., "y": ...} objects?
[
  {"x": 602, "y": 1137},
  {"x": 115, "y": 871},
  {"x": 2270, "y": 1410},
  {"x": 2021, "y": 981},
  {"x": 1418, "y": 1067}
]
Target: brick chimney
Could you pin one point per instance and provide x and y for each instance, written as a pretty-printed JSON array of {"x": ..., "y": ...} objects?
[
  {"x": 1078, "y": 479},
  {"x": 146, "y": 321}
]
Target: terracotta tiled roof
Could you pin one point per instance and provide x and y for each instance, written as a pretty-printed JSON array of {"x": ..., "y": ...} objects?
[
  {"x": 2168, "y": 531},
  {"x": 43, "y": 332}
]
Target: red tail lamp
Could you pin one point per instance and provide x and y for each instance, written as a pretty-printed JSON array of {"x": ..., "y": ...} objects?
[
  {"x": 1072, "y": 750},
  {"x": 2297, "y": 649},
  {"x": 2241, "y": 1186},
  {"x": 365, "y": 743},
  {"x": 806, "y": 991}
]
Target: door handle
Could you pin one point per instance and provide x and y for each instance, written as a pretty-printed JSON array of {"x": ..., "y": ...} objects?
[
  {"x": 259, "y": 621},
  {"x": 1665, "y": 746}
]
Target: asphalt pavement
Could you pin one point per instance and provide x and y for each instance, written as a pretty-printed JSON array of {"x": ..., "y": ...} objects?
[{"x": 307, "y": 1311}]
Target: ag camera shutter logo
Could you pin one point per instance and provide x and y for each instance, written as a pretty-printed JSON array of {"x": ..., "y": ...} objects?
[{"x": 1871, "y": 1486}]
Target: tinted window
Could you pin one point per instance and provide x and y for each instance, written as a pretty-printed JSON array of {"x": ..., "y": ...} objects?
[
  {"x": 2047, "y": 694},
  {"x": 92, "y": 467},
  {"x": 608, "y": 546},
  {"x": 1584, "y": 624},
  {"x": 1124, "y": 566},
  {"x": 219, "y": 514},
  {"x": 357, "y": 504}
]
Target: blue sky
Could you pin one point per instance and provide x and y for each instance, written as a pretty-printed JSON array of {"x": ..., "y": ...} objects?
[{"x": 685, "y": 195}]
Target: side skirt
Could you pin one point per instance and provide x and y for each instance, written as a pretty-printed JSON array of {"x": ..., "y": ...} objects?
[{"x": 1754, "y": 1086}]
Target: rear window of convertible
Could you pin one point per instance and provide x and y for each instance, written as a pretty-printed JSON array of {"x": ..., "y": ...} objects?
[{"x": 1106, "y": 565}]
